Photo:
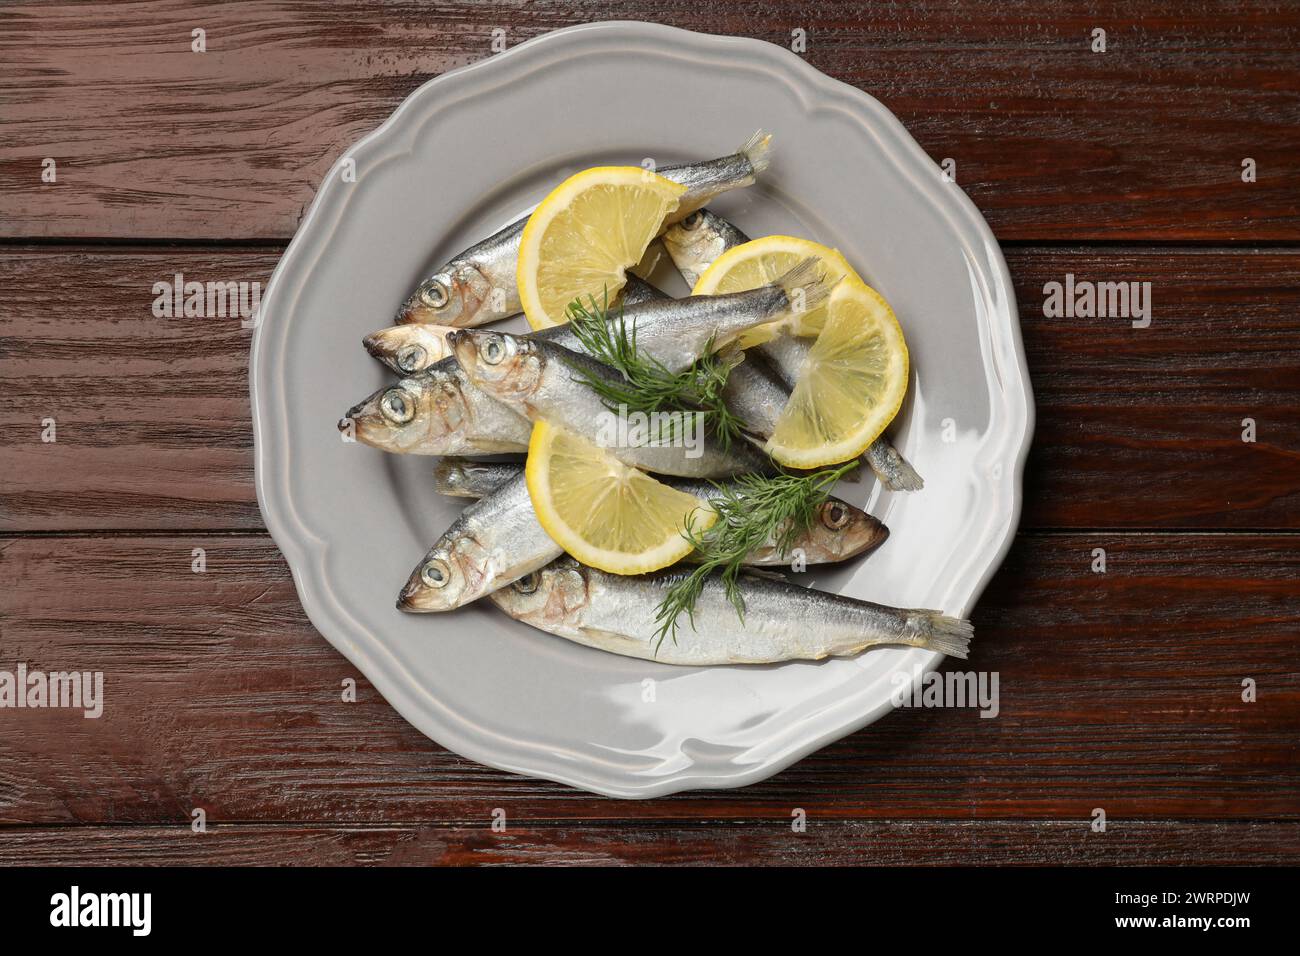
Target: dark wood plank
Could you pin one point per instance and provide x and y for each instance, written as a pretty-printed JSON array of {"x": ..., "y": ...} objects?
[
  {"x": 762, "y": 841},
  {"x": 1052, "y": 140},
  {"x": 1143, "y": 427},
  {"x": 152, "y": 415},
  {"x": 1119, "y": 690},
  {"x": 1137, "y": 428}
]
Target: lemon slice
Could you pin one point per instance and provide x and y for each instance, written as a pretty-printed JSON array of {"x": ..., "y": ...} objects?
[
  {"x": 603, "y": 512},
  {"x": 851, "y": 386},
  {"x": 586, "y": 234},
  {"x": 765, "y": 260}
]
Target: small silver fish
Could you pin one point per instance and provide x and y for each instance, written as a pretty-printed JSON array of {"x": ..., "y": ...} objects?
[
  {"x": 498, "y": 540},
  {"x": 782, "y": 621},
  {"x": 839, "y": 532},
  {"x": 677, "y": 332},
  {"x": 495, "y": 541},
  {"x": 541, "y": 380},
  {"x": 410, "y": 349},
  {"x": 438, "y": 412},
  {"x": 693, "y": 245},
  {"x": 674, "y": 332},
  {"x": 479, "y": 285}
]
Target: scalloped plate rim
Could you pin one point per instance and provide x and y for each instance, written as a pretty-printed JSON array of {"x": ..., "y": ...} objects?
[{"x": 306, "y": 553}]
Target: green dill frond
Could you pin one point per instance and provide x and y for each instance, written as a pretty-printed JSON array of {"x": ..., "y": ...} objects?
[
  {"x": 648, "y": 385},
  {"x": 752, "y": 510}
]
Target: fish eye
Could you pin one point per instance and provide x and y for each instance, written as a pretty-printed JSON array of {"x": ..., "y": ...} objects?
[
  {"x": 693, "y": 221},
  {"x": 435, "y": 573},
  {"x": 528, "y": 583},
  {"x": 494, "y": 350},
  {"x": 411, "y": 358},
  {"x": 434, "y": 294},
  {"x": 834, "y": 515},
  {"x": 397, "y": 407}
]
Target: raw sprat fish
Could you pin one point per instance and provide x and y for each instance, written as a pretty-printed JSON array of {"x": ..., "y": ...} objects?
[
  {"x": 541, "y": 380},
  {"x": 460, "y": 292},
  {"x": 677, "y": 332},
  {"x": 436, "y": 410},
  {"x": 841, "y": 531},
  {"x": 671, "y": 532},
  {"x": 783, "y": 622},
  {"x": 495, "y": 541},
  {"x": 498, "y": 540},
  {"x": 694, "y": 244},
  {"x": 697, "y": 240},
  {"x": 410, "y": 349}
]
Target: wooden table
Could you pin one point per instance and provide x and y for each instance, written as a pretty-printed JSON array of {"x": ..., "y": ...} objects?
[{"x": 1120, "y": 690}]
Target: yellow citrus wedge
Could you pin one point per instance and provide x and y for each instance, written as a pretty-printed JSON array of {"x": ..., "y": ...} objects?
[
  {"x": 586, "y": 234},
  {"x": 604, "y": 513},
  {"x": 765, "y": 260},
  {"x": 851, "y": 386}
]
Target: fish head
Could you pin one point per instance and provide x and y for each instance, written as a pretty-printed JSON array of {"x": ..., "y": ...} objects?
[
  {"x": 420, "y": 410},
  {"x": 840, "y": 531},
  {"x": 454, "y": 572},
  {"x": 554, "y": 596},
  {"x": 694, "y": 243},
  {"x": 507, "y": 367},
  {"x": 454, "y": 295},
  {"x": 409, "y": 349}
]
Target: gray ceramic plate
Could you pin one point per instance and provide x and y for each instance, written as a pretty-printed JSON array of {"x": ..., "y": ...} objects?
[{"x": 467, "y": 153}]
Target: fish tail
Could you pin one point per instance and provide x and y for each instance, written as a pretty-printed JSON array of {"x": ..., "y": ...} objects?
[
  {"x": 894, "y": 471},
  {"x": 757, "y": 151},
  {"x": 904, "y": 477},
  {"x": 936, "y": 631},
  {"x": 806, "y": 285}
]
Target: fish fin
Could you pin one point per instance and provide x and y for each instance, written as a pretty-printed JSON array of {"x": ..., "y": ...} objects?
[
  {"x": 758, "y": 572},
  {"x": 939, "y": 632},
  {"x": 758, "y": 151},
  {"x": 809, "y": 282},
  {"x": 731, "y": 354},
  {"x": 603, "y": 638}
]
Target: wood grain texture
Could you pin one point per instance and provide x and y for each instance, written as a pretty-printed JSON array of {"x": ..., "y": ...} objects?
[
  {"x": 622, "y": 843},
  {"x": 1137, "y": 428},
  {"x": 1119, "y": 690},
  {"x": 1051, "y": 140}
]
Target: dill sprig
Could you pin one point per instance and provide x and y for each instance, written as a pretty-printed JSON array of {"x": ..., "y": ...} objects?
[
  {"x": 648, "y": 385},
  {"x": 752, "y": 510}
]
